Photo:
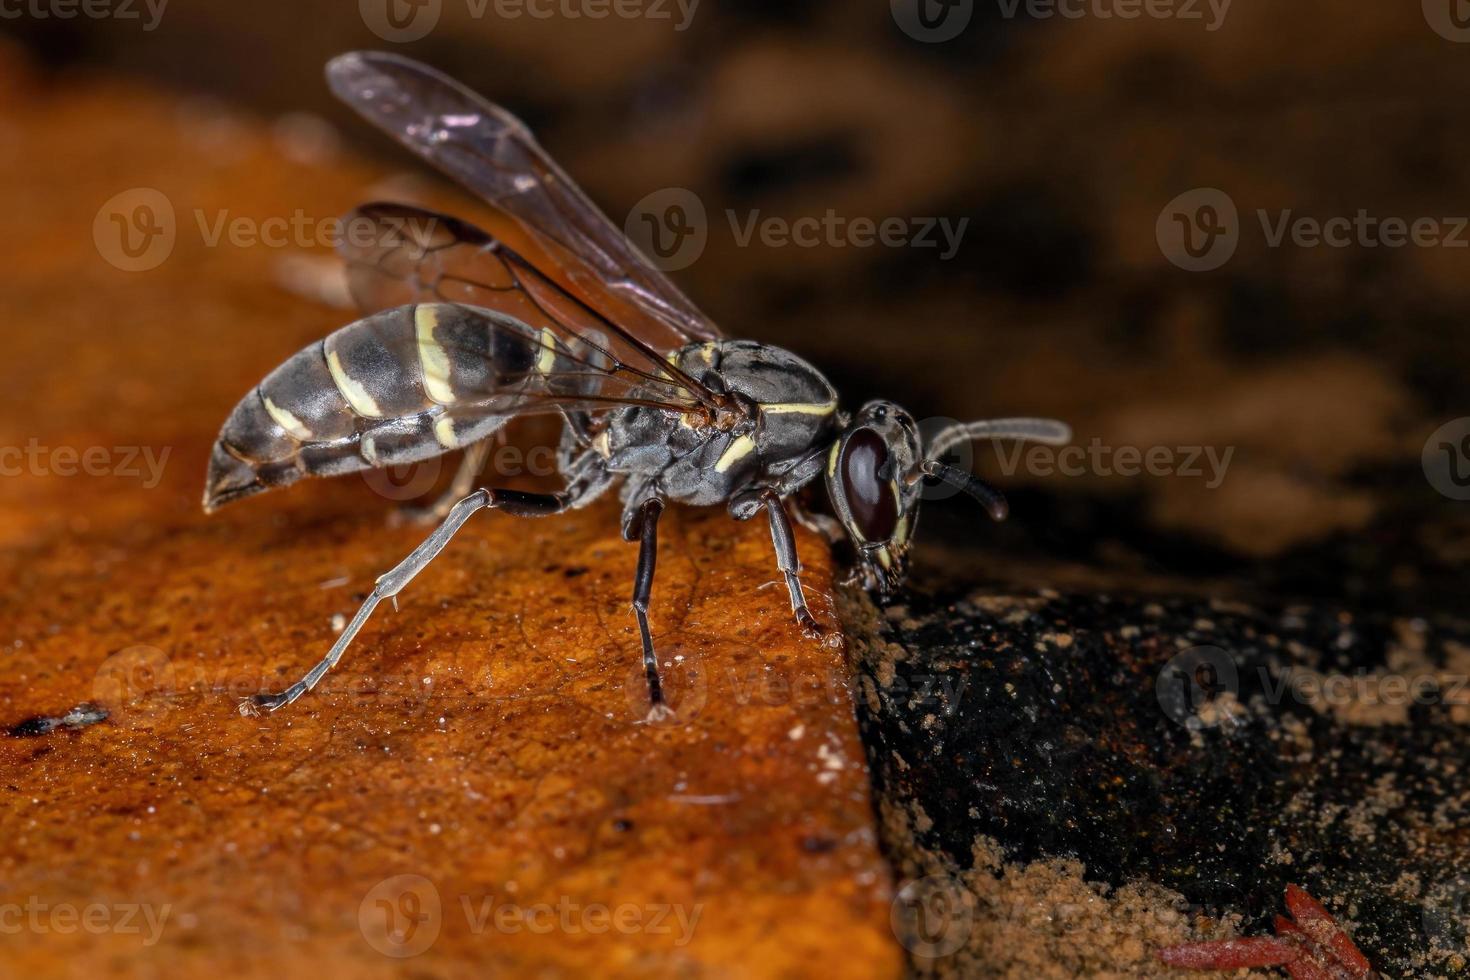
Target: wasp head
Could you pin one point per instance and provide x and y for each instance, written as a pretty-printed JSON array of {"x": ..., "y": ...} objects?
[
  {"x": 873, "y": 480},
  {"x": 876, "y": 474}
]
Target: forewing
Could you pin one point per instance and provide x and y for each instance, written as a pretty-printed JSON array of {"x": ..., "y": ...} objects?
[
  {"x": 479, "y": 362},
  {"x": 398, "y": 254},
  {"x": 551, "y": 222}
]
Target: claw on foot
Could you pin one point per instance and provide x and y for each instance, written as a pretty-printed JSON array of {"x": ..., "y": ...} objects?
[
  {"x": 258, "y": 704},
  {"x": 659, "y": 714}
]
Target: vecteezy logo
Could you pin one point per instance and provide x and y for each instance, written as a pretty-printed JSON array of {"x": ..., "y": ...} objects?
[
  {"x": 1193, "y": 680},
  {"x": 933, "y": 917},
  {"x": 932, "y": 21},
  {"x": 669, "y": 227},
  {"x": 401, "y": 916},
  {"x": 1199, "y": 229},
  {"x": 135, "y": 685},
  {"x": 1446, "y": 914},
  {"x": 1450, "y": 19},
  {"x": 400, "y": 21},
  {"x": 1446, "y": 459},
  {"x": 405, "y": 482},
  {"x": 685, "y": 679},
  {"x": 135, "y": 230}
]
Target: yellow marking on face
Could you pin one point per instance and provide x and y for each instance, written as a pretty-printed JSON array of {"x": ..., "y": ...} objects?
[
  {"x": 357, "y": 396},
  {"x": 800, "y": 408},
  {"x": 600, "y": 444},
  {"x": 738, "y": 450},
  {"x": 432, "y": 358},
  {"x": 884, "y": 558},
  {"x": 444, "y": 432},
  {"x": 832, "y": 459},
  {"x": 293, "y": 426},
  {"x": 547, "y": 359}
]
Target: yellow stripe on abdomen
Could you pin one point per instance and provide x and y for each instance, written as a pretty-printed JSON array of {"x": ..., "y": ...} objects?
[
  {"x": 357, "y": 396},
  {"x": 433, "y": 358},
  {"x": 294, "y": 427}
]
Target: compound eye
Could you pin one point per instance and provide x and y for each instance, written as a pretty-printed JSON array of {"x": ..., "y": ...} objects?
[{"x": 870, "y": 497}]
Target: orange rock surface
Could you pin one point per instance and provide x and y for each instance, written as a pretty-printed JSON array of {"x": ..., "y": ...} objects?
[{"x": 474, "y": 792}]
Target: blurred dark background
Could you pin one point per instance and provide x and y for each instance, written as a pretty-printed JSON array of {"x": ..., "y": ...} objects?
[{"x": 1062, "y": 143}]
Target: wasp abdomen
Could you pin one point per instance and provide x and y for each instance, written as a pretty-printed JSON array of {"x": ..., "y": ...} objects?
[{"x": 396, "y": 387}]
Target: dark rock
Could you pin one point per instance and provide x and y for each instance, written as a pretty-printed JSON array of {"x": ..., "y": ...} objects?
[{"x": 1217, "y": 749}]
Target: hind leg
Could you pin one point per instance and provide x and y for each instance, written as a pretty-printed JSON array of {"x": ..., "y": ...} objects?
[{"x": 515, "y": 502}]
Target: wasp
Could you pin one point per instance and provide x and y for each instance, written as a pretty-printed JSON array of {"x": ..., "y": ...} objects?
[{"x": 550, "y": 309}]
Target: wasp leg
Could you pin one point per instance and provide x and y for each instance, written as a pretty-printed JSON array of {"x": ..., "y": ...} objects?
[
  {"x": 390, "y": 584},
  {"x": 463, "y": 482},
  {"x": 785, "y": 544},
  {"x": 645, "y": 527}
]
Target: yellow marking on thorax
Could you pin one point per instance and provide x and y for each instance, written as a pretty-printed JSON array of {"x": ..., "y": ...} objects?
[
  {"x": 357, "y": 396},
  {"x": 547, "y": 359},
  {"x": 799, "y": 408},
  {"x": 705, "y": 350},
  {"x": 738, "y": 450},
  {"x": 293, "y": 426},
  {"x": 433, "y": 358}
]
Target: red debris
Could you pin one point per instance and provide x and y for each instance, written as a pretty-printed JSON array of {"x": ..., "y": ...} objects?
[{"x": 1309, "y": 946}]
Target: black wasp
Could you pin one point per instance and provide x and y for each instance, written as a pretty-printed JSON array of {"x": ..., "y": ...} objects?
[{"x": 551, "y": 309}]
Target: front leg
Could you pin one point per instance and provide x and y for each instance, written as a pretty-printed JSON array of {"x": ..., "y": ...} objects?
[{"x": 784, "y": 541}]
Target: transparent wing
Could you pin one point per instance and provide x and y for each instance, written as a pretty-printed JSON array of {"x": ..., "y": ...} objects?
[
  {"x": 398, "y": 254},
  {"x": 480, "y": 363},
  {"x": 549, "y": 221}
]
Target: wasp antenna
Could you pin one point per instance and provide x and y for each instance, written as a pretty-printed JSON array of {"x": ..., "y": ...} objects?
[
  {"x": 1048, "y": 431},
  {"x": 989, "y": 497}
]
